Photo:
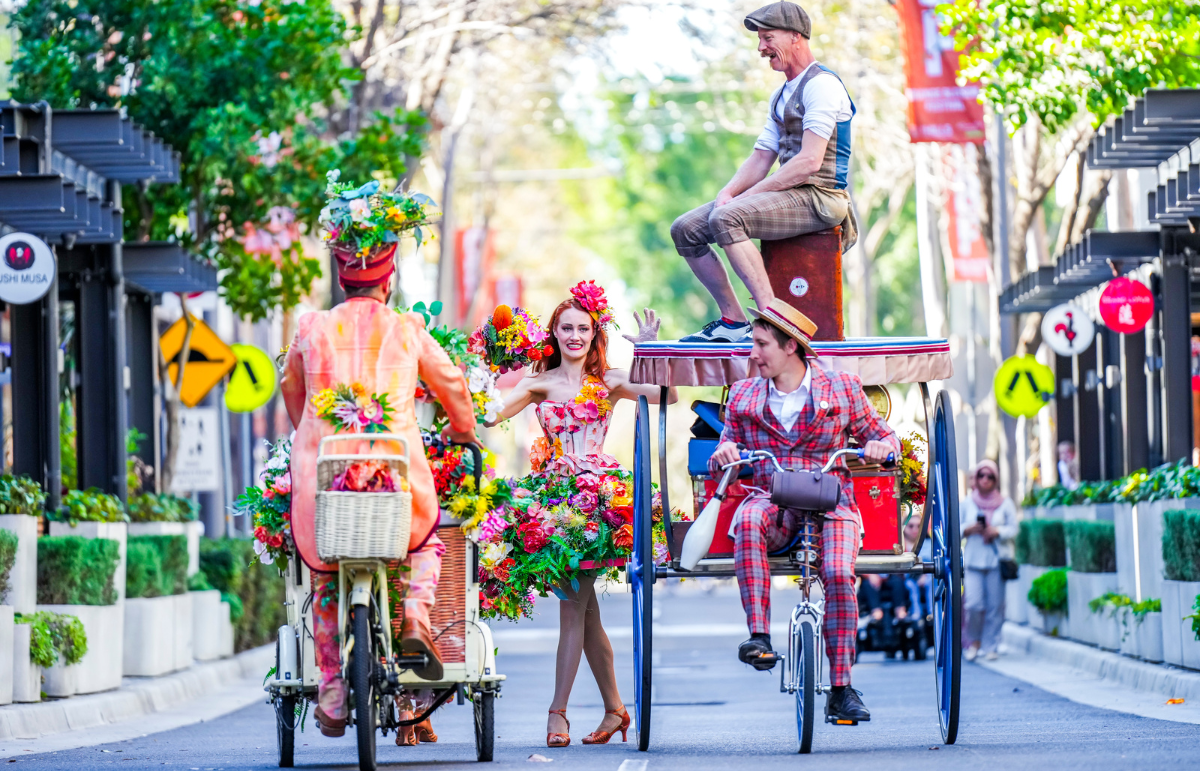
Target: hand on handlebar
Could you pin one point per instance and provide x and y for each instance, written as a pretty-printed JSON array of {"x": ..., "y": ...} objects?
[
  {"x": 878, "y": 452},
  {"x": 461, "y": 437},
  {"x": 726, "y": 453}
]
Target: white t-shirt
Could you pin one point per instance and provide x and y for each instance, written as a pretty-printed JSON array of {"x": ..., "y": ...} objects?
[
  {"x": 788, "y": 406},
  {"x": 826, "y": 103}
]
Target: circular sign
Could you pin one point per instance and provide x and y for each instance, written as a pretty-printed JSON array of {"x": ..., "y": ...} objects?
[
  {"x": 1067, "y": 330},
  {"x": 27, "y": 268},
  {"x": 799, "y": 286},
  {"x": 1126, "y": 305},
  {"x": 1023, "y": 385},
  {"x": 252, "y": 381}
]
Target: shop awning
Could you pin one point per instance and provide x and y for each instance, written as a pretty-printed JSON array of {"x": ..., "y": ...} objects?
[{"x": 164, "y": 266}]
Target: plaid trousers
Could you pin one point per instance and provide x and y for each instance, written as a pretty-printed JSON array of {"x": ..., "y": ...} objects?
[
  {"x": 770, "y": 216},
  {"x": 756, "y": 532}
]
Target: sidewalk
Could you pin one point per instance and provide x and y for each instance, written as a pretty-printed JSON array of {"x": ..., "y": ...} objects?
[
  {"x": 139, "y": 707},
  {"x": 1098, "y": 678}
]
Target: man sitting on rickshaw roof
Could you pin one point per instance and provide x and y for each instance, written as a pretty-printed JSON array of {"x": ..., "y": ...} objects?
[
  {"x": 801, "y": 414},
  {"x": 808, "y": 131}
]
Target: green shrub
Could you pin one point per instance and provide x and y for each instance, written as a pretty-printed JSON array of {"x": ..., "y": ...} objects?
[
  {"x": 1091, "y": 546},
  {"x": 1048, "y": 593},
  {"x": 77, "y": 571},
  {"x": 8, "y": 557},
  {"x": 229, "y": 565},
  {"x": 236, "y": 609},
  {"x": 54, "y": 636},
  {"x": 173, "y": 561},
  {"x": 143, "y": 571},
  {"x": 198, "y": 582},
  {"x": 1149, "y": 605},
  {"x": 1110, "y": 600},
  {"x": 1195, "y": 618},
  {"x": 149, "y": 507},
  {"x": 1041, "y": 542},
  {"x": 20, "y": 495},
  {"x": 90, "y": 505},
  {"x": 1181, "y": 545}
]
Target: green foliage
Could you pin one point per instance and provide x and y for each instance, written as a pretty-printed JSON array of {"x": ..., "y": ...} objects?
[
  {"x": 1091, "y": 546},
  {"x": 91, "y": 505},
  {"x": 236, "y": 609},
  {"x": 1195, "y": 618},
  {"x": 68, "y": 457},
  {"x": 1041, "y": 542},
  {"x": 173, "y": 556},
  {"x": 143, "y": 571},
  {"x": 254, "y": 591},
  {"x": 20, "y": 495},
  {"x": 1181, "y": 545},
  {"x": 8, "y": 557},
  {"x": 1147, "y": 606},
  {"x": 54, "y": 637},
  {"x": 134, "y": 468},
  {"x": 1048, "y": 592},
  {"x": 198, "y": 582},
  {"x": 1169, "y": 481},
  {"x": 152, "y": 507},
  {"x": 1110, "y": 599},
  {"x": 77, "y": 571},
  {"x": 1053, "y": 61}
]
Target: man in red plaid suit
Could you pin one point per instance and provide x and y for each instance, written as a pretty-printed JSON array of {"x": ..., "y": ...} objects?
[{"x": 802, "y": 415}]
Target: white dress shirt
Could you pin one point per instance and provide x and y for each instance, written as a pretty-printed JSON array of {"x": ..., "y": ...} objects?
[
  {"x": 826, "y": 103},
  {"x": 788, "y": 406}
]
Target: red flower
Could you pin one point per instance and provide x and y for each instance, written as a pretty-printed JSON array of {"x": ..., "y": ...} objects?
[
  {"x": 548, "y": 350},
  {"x": 502, "y": 570},
  {"x": 532, "y": 536},
  {"x": 623, "y": 538},
  {"x": 535, "y": 355}
]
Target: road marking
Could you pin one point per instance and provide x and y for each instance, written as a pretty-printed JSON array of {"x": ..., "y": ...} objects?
[{"x": 633, "y": 765}]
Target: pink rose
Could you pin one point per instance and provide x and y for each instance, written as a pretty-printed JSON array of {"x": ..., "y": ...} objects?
[
  {"x": 586, "y": 412},
  {"x": 521, "y": 492},
  {"x": 585, "y": 501},
  {"x": 588, "y": 483},
  {"x": 283, "y": 485}
]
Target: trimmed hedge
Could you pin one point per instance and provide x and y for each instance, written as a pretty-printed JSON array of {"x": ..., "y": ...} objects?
[
  {"x": 229, "y": 564},
  {"x": 8, "y": 557},
  {"x": 143, "y": 571},
  {"x": 1092, "y": 546},
  {"x": 1048, "y": 593},
  {"x": 1041, "y": 542},
  {"x": 172, "y": 564},
  {"x": 1181, "y": 545},
  {"x": 73, "y": 570}
]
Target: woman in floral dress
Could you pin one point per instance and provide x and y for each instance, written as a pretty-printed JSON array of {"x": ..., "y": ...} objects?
[{"x": 574, "y": 390}]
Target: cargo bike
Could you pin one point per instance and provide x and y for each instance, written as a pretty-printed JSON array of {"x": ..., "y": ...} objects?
[
  {"x": 879, "y": 362},
  {"x": 373, "y": 670}
]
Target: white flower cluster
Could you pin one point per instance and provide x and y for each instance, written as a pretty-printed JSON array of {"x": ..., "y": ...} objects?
[{"x": 481, "y": 380}]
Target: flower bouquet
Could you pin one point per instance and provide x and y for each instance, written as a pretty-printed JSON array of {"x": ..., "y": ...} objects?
[
  {"x": 512, "y": 338},
  {"x": 350, "y": 408},
  {"x": 913, "y": 485},
  {"x": 360, "y": 220},
  {"x": 481, "y": 380},
  {"x": 270, "y": 507}
]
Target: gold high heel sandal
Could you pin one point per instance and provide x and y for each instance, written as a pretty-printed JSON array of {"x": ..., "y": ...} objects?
[
  {"x": 602, "y": 737},
  {"x": 559, "y": 740}
]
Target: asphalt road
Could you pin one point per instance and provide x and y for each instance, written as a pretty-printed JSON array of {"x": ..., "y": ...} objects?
[{"x": 711, "y": 712}]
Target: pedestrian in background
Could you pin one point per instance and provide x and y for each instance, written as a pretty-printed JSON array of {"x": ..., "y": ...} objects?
[
  {"x": 1068, "y": 465},
  {"x": 989, "y": 525}
]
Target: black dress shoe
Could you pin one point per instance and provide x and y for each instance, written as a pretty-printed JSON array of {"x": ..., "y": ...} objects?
[
  {"x": 757, "y": 652},
  {"x": 846, "y": 707}
]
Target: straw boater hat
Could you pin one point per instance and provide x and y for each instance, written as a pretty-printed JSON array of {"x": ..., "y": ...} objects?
[{"x": 791, "y": 321}]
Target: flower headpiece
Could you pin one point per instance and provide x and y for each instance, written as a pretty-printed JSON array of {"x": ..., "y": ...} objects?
[
  {"x": 360, "y": 219},
  {"x": 592, "y": 298}
]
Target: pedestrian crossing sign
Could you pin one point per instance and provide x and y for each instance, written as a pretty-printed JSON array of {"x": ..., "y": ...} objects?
[
  {"x": 1023, "y": 385},
  {"x": 209, "y": 359},
  {"x": 252, "y": 382}
]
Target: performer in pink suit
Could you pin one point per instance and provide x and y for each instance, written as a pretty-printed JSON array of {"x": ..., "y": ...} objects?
[{"x": 802, "y": 414}]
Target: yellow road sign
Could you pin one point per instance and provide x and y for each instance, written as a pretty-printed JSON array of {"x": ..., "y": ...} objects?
[
  {"x": 1023, "y": 385},
  {"x": 252, "y": 381},
  {"x": 209, "y": 359}
]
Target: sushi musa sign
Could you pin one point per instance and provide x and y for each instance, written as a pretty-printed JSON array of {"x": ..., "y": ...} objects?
[
  {"x": 27, "y": 268},
  {"x": 1126, "y": 305}
]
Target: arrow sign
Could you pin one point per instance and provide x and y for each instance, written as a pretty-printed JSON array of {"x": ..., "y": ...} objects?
[
  {"x": 209, "y": 359},
  {"x": 252, "y": 382}
]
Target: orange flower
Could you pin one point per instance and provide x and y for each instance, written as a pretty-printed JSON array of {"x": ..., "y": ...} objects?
[
  {"x": 502, "y": 317},
  {"x": 540, "y": 453},
  {"x": 623, "y": 538}
]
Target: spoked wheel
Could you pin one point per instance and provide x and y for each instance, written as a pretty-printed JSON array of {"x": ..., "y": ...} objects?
[
  {"x": 361, "y": 664},
  {"x": 947, "y": 559},
  {"x": 804, "y": 648},
  {"x": 285, "y": 729},
  {"x": 485, "y": 725},
  {"x": 641, "y": 571}
]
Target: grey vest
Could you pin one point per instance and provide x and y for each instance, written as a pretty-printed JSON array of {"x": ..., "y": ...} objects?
[{"x": 835, "y": 166}]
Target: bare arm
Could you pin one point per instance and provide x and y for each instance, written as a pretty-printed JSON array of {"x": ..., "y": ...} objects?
[
  {"x": 796, "y": 171},
  {"x": 292, "y": 387},
  {"x": 619, "y": 387},
  {"x": 751, "y": 173},
  {"x": 517, "y": 399}
]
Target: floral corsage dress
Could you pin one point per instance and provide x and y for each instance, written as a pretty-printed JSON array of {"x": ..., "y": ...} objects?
[{"x": 569, "y": 518}]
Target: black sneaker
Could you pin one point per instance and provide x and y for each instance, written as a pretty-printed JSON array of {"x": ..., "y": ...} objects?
[
  {"x": 720, "y": 331},
  {"x": 846, "y": 708},
  {"x": 757, "y": 652}
]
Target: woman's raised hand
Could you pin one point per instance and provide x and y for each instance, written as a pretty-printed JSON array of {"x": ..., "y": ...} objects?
[{"x": 647, "y": 327}]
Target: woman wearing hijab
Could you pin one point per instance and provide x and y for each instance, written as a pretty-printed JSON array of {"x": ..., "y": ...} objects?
[{"x": 989, "y": 525}]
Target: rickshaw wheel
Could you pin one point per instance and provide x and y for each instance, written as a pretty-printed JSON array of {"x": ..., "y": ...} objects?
[
  {"x": 285, "y": 729},
  {"x": 640, "y": 569},
  {"x": 947, "y": 558},
  {"x": 485, "y": 725},
  {"x": 364, "y": 696},
  {"x": 806, "y": 693}
]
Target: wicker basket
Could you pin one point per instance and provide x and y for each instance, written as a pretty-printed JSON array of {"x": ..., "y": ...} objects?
[{"x": 361, "y": 525}]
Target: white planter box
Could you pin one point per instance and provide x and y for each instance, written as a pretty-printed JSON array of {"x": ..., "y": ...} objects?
[
  {"x": 1087, "y": 626},
  {"x": 116, "y": 531},
  {"x": 157, "y": 635},
  {"x": 1124, "y": 524},
  {"x": 207, "y": 610},
  {"x": 6, "y": 654},
  {"x": 27, "y": 677},
  {"x": 1143, "y": 639},
  {"x": 61, "y": 680},
  {"x": 1107, "y": 628},
  {"x": 1053, "y": 624},
  {"x": 184, "y": 629},
  {"x": 226, "y": 631},
  {"x": 1179, "y": 643},
  {"x": 100, "y": 669},
  {"x": 22, "y": 584},
  {"x": 1015, "y": 605}
]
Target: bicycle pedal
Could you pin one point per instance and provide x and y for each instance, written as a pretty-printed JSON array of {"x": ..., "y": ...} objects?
[{"x": 839, "y": 721}]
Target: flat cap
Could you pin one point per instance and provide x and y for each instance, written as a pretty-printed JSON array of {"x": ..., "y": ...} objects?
[{"x": 782, "y": 15}]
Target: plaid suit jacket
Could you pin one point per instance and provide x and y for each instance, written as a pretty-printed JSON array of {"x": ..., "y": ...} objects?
[{"x": 837, "y": 409}]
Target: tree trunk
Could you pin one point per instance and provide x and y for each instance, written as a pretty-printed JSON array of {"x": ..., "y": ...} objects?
[{"x": 170, "y": 396}]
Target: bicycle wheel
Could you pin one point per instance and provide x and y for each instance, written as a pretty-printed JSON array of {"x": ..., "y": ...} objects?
[
  {"x": 806, "y": 695},
  {"x": 361, "y": 664},
  {"x": 285, "y": 729},
  {"x": 947, "y": 558},
  {"x": 485, "y": 722},
  {"x": 640, "y": 569}
]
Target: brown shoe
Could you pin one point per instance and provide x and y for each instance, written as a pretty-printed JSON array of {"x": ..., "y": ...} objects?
[
  {"x": 424, "y": 732},
  {"x": 416, "y": 638},
  {"x": 331, "y": 727}
]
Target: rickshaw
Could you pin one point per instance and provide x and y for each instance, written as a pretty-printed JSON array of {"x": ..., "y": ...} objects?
[
  {"x": 464, "y": 642},
  {"x": 879, "y": 362}
]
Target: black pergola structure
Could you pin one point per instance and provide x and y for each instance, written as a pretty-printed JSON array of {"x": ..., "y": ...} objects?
[
  {"x": 60, "y": 179},
  {"x": 1126, "y": 402}
]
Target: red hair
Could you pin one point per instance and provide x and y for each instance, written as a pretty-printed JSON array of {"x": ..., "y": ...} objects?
[{"x": 596, "y": 362}]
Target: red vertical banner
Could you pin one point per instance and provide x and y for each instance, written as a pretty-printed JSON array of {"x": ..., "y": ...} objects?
[
  {"x": 939, "y": 110},
  {"x": 964, "y": 201},
  {"x": 474, "y": 253}
]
